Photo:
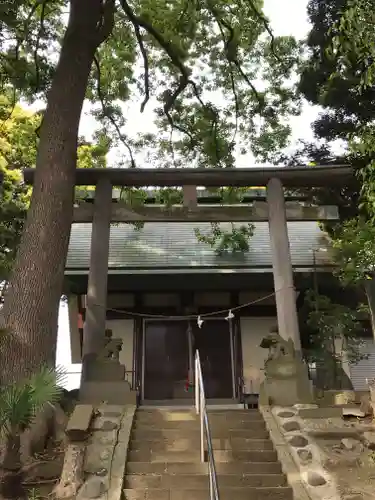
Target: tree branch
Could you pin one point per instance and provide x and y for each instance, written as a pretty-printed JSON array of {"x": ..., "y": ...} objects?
[
  {"x": 40, "y": 33},
  {"x": 108, "y": 115},
  {"x": 231, "y": 50},
  {"x": 174, "y": 58},
  {"x": 145, "y": 64},
  {"x": 169, "y": 49},
  {"x": 233, "y": 83},
  {"x": 266, "y": 25},
  {"x": 107, "y": 20}
]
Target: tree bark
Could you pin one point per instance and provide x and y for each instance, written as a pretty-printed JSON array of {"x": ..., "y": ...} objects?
[
  {"x": 12, "y": 459},
  {"x": 370, "y": 295},
  {"x": 11, "y": 474},
  {"x": 31, "y": 306}
]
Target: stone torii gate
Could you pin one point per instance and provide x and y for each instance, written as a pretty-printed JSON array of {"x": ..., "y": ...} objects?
[{"x": 276, "y": 211}]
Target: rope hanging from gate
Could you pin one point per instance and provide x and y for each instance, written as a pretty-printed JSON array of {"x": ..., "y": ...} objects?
[{"x": 198, "y": 317}]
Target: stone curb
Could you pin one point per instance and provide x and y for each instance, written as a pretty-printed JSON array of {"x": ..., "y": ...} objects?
[
  {"x": 119, "y": 459},
  {"x": 288, "y": 464},
  {"x": 316, "y": 480},
  {"x": 106, "y": 453}
]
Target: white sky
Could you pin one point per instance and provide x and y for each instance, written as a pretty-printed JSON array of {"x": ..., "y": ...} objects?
[{"x": 288, "y": 17}]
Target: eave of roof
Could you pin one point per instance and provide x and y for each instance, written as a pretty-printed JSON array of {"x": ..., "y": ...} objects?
[{"x": 174, "y": 246}]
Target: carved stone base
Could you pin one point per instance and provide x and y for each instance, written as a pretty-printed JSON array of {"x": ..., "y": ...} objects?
[
  {"x": 104, "y": 371},
  {"x": 103, "y": 376},
  {"x": 286, "y": 383},
  {"x": 112, "y": 393}
]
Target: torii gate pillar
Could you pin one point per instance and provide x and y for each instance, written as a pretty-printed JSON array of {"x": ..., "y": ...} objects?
[{"x": 285, "y": 293}]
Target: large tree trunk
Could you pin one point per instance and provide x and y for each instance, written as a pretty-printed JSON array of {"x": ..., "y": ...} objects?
[
  {"x": 31, "y": 305},
  {"x": 12, "y": 477},
  {"x": 12, "y": 459},
  {"x": 370, "y": 295},
  {"x": 371, "y": 386}
]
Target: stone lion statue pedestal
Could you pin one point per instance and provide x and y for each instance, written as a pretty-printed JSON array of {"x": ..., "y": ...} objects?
[
  {"x": 104, "y": 377},
  {"x": 286, "y": 375}
]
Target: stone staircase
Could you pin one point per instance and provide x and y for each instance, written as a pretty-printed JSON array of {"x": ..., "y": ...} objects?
[{"x": 164, "y": 457}]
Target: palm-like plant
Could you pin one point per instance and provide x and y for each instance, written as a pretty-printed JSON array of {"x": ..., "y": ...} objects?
[{"x": 19, "y": 405}]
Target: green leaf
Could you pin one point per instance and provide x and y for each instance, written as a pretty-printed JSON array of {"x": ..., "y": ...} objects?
[{"x": 21, "y": 402}]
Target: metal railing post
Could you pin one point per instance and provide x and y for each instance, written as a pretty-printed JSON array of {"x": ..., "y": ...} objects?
[
  {"x": 211, "y": 481},
  {"x": 202, "y": 425},
  {"x": 197, "y": 385},
  {"x": 200, "y": 405}
]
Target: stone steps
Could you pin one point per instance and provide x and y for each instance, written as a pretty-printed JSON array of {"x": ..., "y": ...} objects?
[
  {"x": 186, "y": 444},
  {"x": 192, "y": 481},
  {"x": 164, "y": 457},
  {"x": 279, "y": 493},
  {"x": 190, "y": 425},
  {"x": 152, "y": 434},
  {"x": 187, "y": 402},
  {"x": 172, "y": 414},
  {"x": 194, "y": 455},
  {"x": 236, "y": 417},
  {"x": 201, "y": 468}
]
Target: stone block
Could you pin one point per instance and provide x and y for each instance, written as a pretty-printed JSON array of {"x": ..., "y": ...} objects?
[
  {"x": 98, "y": 458},
  {"x": 79, "y": 423},
  {"x": 124, "y": 435},
  {"x": 113, "y": 393},
  {"x": 94, "y": 487},
  {"x": 111, "y": 410},
  {"x": 119, "y": 461},
  {"x": 352, "y": 411},
  {"x": 106, "y": 424},
  {"x": 369, "y": 439},
  {"x": 335, "y": 397},
  {"x": 291, "y": 386},
  {"x": 366, "y": 405},
  {"x": 315, "y": 479},
  {"x": 330, "y": 412},
  {"x": 104, "y": 437},
  {"x": 104, "y": 371},
  {"x": 344, "y": 398}
]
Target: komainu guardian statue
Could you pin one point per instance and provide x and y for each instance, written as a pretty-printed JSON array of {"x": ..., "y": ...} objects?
[
  {"x": 112, "y": 348},
  {"x": 286, "y": 376},
  {"x": 281, "y": 360},
  {"x": 105, "y": 377},
  {"x": 278, "y": 347}
]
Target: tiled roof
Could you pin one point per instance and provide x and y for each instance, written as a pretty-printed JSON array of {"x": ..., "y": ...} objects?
[{"x": 174, "y": 245}]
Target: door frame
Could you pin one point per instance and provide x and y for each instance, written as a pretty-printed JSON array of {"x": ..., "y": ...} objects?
[{"x": 189, "y": 334}]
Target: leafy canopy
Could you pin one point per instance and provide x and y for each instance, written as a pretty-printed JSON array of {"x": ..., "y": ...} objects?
[
  {"x": 338, "y": 76},
  {"x": 328, "y": 321},
  {"x": 218, "y": 77},
  {"x": 18, "y": 147},
  {"x": 200, "y": 63},
  {"x": 18, "y": 150},
  {"x": 219, "y": 81},
  {"x": 353, "y": 37},
  {"x": 333, "y": 75},
  {"x": 354, "y": 251}
]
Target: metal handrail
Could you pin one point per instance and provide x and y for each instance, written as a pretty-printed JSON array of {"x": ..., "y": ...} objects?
[{"x": 200, "y": 406}]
